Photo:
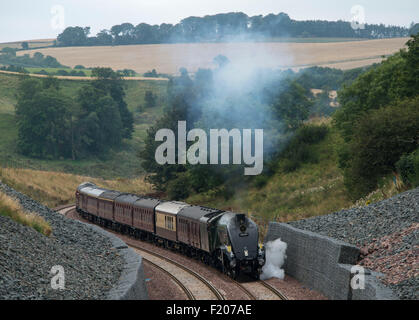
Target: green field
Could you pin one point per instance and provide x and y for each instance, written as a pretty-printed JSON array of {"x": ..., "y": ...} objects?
[
  {"x": 53, "y": 71},
  {"x": 118, "y": 163}
]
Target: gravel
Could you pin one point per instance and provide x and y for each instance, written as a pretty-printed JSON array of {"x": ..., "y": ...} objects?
[
  {"x": 387, "y": 233},
  {"x": 91, "y": 266}
]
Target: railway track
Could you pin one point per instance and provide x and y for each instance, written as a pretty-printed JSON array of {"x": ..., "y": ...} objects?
[
  {"x": 190, "y": 282},
  {"x": 187, "y": 292},
  {"x": 201, "y": 289}
]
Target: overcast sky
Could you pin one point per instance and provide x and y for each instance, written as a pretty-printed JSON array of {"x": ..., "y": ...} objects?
[{"x": 28, "y": 19}]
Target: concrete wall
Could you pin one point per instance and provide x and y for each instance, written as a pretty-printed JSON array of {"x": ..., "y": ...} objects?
[
  {"x": 324, "y": 264},
  {"x": 131, "y": 285}
]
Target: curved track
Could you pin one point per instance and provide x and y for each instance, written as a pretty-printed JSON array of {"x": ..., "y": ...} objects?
[
  {"x": 193, "y": 284},
  {"x": 198, "y": 285},
  {"x": 187, "y": 292}
]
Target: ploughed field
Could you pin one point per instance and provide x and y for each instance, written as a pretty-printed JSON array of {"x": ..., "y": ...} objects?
[{"x": 168, "y": 58}]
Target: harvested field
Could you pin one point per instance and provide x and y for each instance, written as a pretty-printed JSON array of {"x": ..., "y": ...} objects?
[
  {"x": 168, "y": 58},
  {"x": 31, "y": 43}
]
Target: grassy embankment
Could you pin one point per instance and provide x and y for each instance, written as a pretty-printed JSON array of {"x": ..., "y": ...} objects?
[
  {"x": 12, "y": 209},
  {"x": 311, "y": 190},
  {"x": 57, "y": 188},
  {"x": 118, "y": 163}
]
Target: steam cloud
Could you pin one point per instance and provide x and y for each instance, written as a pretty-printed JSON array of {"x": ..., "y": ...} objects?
[{"x": 275, "y": 258}]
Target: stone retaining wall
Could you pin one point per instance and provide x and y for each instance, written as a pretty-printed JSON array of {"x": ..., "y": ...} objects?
[
  {"x": 324, "y": 264},
  {"x": 131, "y": 285}
]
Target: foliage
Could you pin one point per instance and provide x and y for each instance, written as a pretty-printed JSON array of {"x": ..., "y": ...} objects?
[
  {"x": 380, "y": 138},
  {"x": 37, "y": 60},
  {"x": 394, "y": 79},
  {"x": 13, "y": 68},
  {"x": 150, "y": 99},
  {"x": 224, "y": 27},
  {"x": 298, "y": 150},
  {"x": 408, "y": 168},
  {"x": 292, "y": 104},
  {"x": 53, "y": 125},
  {"x": 378, "y": 120}
]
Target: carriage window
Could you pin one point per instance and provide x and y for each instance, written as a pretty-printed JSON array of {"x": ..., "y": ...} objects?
[{"x": 169, "y": 222}]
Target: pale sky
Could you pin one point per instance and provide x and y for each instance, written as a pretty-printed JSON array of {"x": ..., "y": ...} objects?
[{"x": 28, "y": 19}]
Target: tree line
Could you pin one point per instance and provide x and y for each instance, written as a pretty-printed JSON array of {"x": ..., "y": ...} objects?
[
  {"x": 379, "y": 123},
  {"x": 225, "y": 27},
  {"x": 8, "y": 57},
  {"x": 53, "y": 125}
]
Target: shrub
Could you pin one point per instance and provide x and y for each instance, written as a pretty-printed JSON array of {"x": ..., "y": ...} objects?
[
  {"x": 379, "y": 141},
  {"x": 311, "y": 134},
  {"x": 408, "y": 168},
  {"x": 43, "y": 72},
  {"x": 178, "y": 189},
  {"x": 62, "y": 73},
  {"x": 299, "y": 149}
]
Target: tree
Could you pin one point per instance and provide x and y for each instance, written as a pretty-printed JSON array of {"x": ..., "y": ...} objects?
[
  {"x": 380, "y": 138},
  {"x": 9, "y": 51},
  {"x": 150, "y": 99},
  {"x": 110, "y": 82},
  {"x": 25, "y": 45},
  {"x": 73, "y": 36},
  {"x": 43, "y": 122},
  {"x": 292, "y": 104}
]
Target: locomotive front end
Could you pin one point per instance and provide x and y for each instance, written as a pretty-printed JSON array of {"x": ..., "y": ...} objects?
[{"x": 243, "y": 252}]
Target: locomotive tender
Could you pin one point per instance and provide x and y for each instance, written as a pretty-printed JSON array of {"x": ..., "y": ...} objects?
[{"x": 225, "y": 240}]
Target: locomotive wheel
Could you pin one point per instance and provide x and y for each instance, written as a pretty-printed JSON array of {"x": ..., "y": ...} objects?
[{"x": 234, "y": 273}]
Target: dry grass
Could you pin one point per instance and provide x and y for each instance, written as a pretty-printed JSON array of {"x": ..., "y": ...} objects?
[
  {"x": 168, "y": 58},
  {"x": 11, "y": 208},
  {"x": 56, "y": 188}
]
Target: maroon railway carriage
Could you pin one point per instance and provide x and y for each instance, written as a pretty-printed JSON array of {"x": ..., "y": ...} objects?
[
  {"x": 124, "y": 205},
  {"x": 144, "y": 215},
  {"x": 87, "y": 196},
  {"x": 106, "y": 203}
]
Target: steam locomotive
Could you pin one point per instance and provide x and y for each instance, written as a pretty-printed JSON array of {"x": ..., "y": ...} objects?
[{"x": 225, "y": 240}]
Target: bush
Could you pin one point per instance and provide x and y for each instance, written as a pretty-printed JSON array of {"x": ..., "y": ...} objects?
[
  {"x": 299, "y": 149},
  {"x": 43, "y": 72},
  {"x": 62, "y": 73},
  {"x": 178, "y": 189},
  {"x": 311, "y": 134},
  {"x": 379, "y": 141},
  {"x": 408, "y": 168},
  {"x": 260, "y": 181},
  {"x": 79, "y": 66}
]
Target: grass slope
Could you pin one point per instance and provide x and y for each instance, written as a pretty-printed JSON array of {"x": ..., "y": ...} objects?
[
  {"x": 313, "y": 189},
  {"x": 118, "y": 163},
  {"x": 57, "y": 188}
]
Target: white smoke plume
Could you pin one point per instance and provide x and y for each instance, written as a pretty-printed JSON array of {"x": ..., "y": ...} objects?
[{"x": 275, "y": 258}]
